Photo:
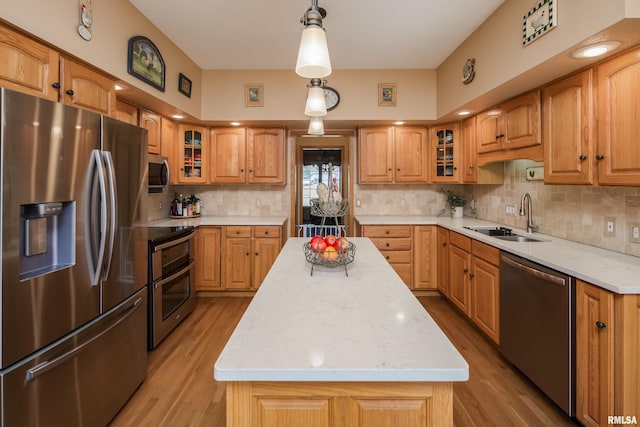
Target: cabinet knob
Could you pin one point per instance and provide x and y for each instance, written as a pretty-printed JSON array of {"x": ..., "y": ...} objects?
[
  {"x": 466, "y": 270},
  {"x": 500, "y": 136},
  {"x": 398, "y": 169},
  {"x": 70, "y": 92},
  {"x": 455, "y": 168},
  {"x": 387, "y": 244},
  {"x": 444, "y": 243},
  {"x": 237, "y": 231},
  {"x": 582, "y": 157},
  {"x": 247, "y": 254},
  {"x": 256, "y": 253},
  {"x": 471, "y": 167},
  {"x": 388, "y": 257},
  {"x": 56, "y": 85},
  {"x": 390, "y": 169},
  {"x": 471, "y": 275},
  {"x": 599, "y": 157},
  {"x": 266, "y": 232},
  {"x": 601, "y": 325},
  {"x": 241, "y": 170}
]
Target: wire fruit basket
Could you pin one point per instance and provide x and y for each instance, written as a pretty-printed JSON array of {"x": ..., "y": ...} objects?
[{"x": 339, "y": 257}]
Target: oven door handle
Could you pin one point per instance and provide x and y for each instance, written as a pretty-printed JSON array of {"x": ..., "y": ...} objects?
[
  {"x": 174, "y": 276},
  {"x": 173, "y": 242}
]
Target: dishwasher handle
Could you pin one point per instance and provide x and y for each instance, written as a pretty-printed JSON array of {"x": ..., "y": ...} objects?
[{"x": 556, "y": 280}]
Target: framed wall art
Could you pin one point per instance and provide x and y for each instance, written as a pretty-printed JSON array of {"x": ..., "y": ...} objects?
[
  {"x": 253, "y": 95},
  {"x": 145, "y": 62},
  {"x": 184, "y": 85},
  {"x": 539, "y": 21},
  {"x": 387, "y": 94}
]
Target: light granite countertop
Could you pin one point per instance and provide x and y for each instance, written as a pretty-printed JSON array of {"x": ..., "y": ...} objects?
[
  {"x": 366, "y": 326},
  {"x": 220, "y": 220},
  {"x": 610, "y": 270}
]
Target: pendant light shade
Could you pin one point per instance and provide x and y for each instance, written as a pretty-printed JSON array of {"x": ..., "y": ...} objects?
[
  {"x": 316, "y": 126},
  {"x": 316, "y": 105},
  {"x": 313, "y": 54}
]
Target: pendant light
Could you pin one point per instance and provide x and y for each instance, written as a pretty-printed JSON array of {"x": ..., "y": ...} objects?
[
  {"x": 316, "y": 127},
  {"x": 313, "y": 55},
  {"x": 316, "y": 105}
]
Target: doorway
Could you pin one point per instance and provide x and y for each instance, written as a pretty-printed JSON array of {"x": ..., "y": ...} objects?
[{"x": 322, "y": 163}]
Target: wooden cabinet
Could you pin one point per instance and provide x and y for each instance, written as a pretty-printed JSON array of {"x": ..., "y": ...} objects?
[
  {"x": 607, "y": 354},
  {"x": 446, "y": 153},
  {"x": 485, "y": 288},
  {"x": 459, "y": 268},
  {"x": 192, "y": 154},
  {"x": 393, "y": 155},
  {"x": 443, "y": 261},
  {"x": 253, "y": 156},
  {"x": 208, "y": 240},
  {"x": 83, "y": 87},
  {"x": 425, "y": 257},
  {"x": 127, "y": 113},
  {"x": 471, "y": 172},
  {"x": 569, "y": 130},
  {"x": 152, "y": 122},
  {"x": 168, "y": 147},
  {"x": 28, "y": 66},
  {"x": 395, "y": 244},
  {"x": 618, "y": 151},
  {"x": 249, "y": 252}
]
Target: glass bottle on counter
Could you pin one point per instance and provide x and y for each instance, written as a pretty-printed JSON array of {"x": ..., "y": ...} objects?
[{"x": 179, "y": 206}]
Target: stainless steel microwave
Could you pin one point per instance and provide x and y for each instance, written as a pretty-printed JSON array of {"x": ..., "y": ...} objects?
[{"x": 158, "y": 174}]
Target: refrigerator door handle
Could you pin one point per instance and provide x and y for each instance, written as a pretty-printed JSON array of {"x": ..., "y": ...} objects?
[
  {"x": 48, "y": 365},
  {"x": 96, "y": 168},
  {"x": 113, "y": 211}
]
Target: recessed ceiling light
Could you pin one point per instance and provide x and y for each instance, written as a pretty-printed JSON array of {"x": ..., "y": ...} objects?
[
  {"x": 235, "y": 123},
  {"x": 594, "y": 50},
  {"x": 121, "y": 86},
  {"x": 464, "y": 112},
  {"x": 398, "y": 123},
  {"x": 178, "y": 116}
]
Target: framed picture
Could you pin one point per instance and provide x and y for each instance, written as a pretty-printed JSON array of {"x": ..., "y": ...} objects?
[
  {"x": 145, "y": 62},
  {"x": 387, "y": 95},
  {"x": 253, "y": 96},
  {"x": 184, "y": 85},
  {"x": 539, "y": 21}
]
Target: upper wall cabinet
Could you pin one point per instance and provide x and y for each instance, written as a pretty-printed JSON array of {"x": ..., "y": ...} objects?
[
  {"x": 569, "y": 130},
  {"x": 126, "y": 112},
  {"x": 445, "y": 153},
  {"x": 192, "y": 154},
  {"x": 152, "y": 122},
  {"x": 472, "y": 173},
  {"x": 618, "y": 151},
  {"x": 86, "y": 88},
  {"x": 393, "y": 155}
]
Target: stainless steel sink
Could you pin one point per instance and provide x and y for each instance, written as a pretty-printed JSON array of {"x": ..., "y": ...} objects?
[
  {"x": 518, "y": 238},
  {"x": 503, "y": 233}
]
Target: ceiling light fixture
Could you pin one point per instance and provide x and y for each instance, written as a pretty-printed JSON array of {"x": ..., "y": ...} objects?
[
  {"x": 316, "y": 126},
  {"x": 316, "y": 105},
  {"x": 313, "y": 54},
  {"x": 596, "y": 49}
]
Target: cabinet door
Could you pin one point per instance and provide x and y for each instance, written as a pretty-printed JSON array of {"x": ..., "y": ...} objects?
[
  {"x": 237, "y": 264},
  {"x": 469, "y": 150},
  {"x": 208, "y": 259},
  {"x": 485, "y": 294},
  {"x": 228, "y": 156},
  {"x": 86, "y": 88},
  {"x": 127, "y": 113},
  {"x": 521, "y": 121},
  {"x": 28, "y": 66},
  {"x": 375, "y": 155},
  {"x": 152, "y": 123},
  {"x": 265, "y": 252},
  {"x": 489, "y": 131},
  {"x": 459, "y": 265},
  {"x": 192, "y": 154},
  {"x": 266, "y": 156},
  {"x": 568, "y": 130},
  {"x": 594, "y": 354},
  {"x": 425, "y": 257},
  {"x": 618, "y": 153},
  {"x": 443, "y": 261},
  {"x": 168, "y": 147},
  {"x": 411, "y": 154}
]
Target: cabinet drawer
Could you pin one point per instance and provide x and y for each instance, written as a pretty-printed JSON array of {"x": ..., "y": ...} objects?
[
  {"x": 463, "y": 242},
  {"x": 486, "y": 252},
  {"x": 386, "y": 231},
  {"x": 400, "y": 244},
  {"x": 402, "y": 257},
  {"x": 238, "y": 231},
  {"x": 266, "y": 231}
]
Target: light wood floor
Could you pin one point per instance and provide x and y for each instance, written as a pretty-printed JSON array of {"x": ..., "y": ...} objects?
[{"x": 180, "y": 389}]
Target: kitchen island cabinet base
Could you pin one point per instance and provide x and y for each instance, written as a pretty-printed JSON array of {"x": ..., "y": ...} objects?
[{"x": 339, "y": 404}]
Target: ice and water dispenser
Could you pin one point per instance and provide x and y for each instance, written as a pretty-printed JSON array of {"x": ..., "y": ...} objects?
[{"x": 48, "y": 243}]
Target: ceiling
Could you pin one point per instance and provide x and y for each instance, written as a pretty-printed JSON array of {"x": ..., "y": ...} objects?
[{"x": 376, "y": 34}]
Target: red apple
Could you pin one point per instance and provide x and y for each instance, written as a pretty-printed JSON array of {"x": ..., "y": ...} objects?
[
  {"x": 331, "y": 240},
  {"x": 342, "y": 244},
  {"x": 317, "y": 243}
]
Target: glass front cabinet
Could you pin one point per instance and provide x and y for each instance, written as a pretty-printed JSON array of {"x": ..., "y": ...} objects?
[
  {"x": 446, "y": 153},
  {"x": 192, "y": 154}
]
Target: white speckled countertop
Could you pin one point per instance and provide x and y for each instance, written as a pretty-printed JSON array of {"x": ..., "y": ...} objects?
[
  {"x": 610, "y": 270},
  {"x": 220, "y": 220},
  {"x": 330, "y": 327}
]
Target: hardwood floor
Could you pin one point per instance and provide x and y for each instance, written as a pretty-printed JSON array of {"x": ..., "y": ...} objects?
[{"x": 180, "y": 389}]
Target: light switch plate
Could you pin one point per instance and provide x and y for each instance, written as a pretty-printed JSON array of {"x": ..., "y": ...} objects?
[{"x": 535, "y": 173}]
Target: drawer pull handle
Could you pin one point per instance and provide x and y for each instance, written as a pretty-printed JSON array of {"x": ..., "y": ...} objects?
[
  {"x": 599, "y": 157},
  {"x": 601, "y": 325},
  {"x": 582, "y": 157},
  {"x": 70, "y": 92},
  {"x": 388, "y": 257},
  {"x": 387, "y": 244}
]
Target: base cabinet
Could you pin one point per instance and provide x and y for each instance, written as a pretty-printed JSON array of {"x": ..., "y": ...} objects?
[
  {"x": 425, "y": 257},
  {"x": 443, "y": 261},
  {"x": 395, "y": 242},
  {"x": 208, "y": 277},
  {"x": 339, "y": 404}
]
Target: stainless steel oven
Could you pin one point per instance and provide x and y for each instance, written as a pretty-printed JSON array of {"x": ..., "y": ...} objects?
[{"x": 171, "y": 280}]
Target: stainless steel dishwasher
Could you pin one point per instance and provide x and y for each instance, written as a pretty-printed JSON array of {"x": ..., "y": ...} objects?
[{"x": 537, "y": 331}]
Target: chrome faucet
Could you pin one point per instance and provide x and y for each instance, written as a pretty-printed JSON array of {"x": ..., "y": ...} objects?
[{"x": 530, "y": 226}]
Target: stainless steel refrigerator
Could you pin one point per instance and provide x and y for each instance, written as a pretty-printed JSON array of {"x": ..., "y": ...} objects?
[{"x": 74, "y": 263}]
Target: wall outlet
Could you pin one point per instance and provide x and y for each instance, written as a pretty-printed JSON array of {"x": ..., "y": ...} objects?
[
  {"x": 358, "y": 203},
  {"x": 635, "y": 232},
  {"x": 402, "y": 203},
  {"x": 510, "y": 210},
  {"x": 609, "y": 226},
  {"x": 258, "y": 203}
]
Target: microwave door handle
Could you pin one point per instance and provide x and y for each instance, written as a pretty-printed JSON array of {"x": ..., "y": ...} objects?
[
  {"x": 96, "y": 171},
  {"x": 165, "y": 166},
  {"x": 113, "y": 210}
]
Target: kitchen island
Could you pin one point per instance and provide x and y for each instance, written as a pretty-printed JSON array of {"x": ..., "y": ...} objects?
[{"x": 332, "y": 349}]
